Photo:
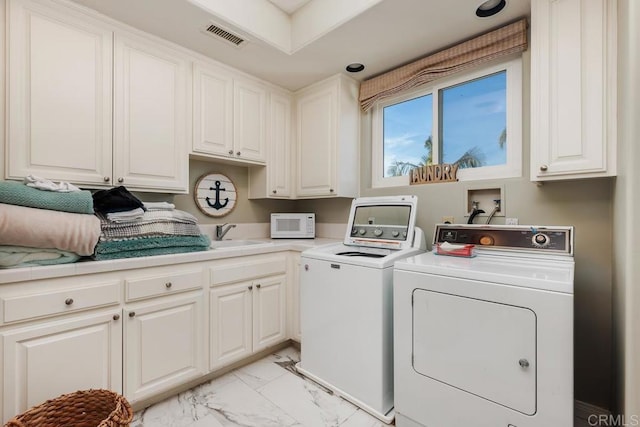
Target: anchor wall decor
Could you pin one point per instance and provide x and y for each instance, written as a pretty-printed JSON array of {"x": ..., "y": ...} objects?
[{"x": 215, "y": 195}]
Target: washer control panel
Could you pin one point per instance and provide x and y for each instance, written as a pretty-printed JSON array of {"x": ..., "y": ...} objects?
[
  {"x": 520, "y": 237},
  {"x": 389, "y": 232}
]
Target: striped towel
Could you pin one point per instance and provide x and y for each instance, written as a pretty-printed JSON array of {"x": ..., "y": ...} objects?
[
  {"x": 161, "y": 215},
  {"x": 152, "y": 223}
]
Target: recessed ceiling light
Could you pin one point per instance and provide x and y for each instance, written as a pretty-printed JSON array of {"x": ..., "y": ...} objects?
[
  {"x": 490, "y": 8},
  {"x": 356, "y": 67}
]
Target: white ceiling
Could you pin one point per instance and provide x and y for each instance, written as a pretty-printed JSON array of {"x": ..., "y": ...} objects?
[
  {"x": 289, "y": 6},
  {"x": 386, "y": 34}
]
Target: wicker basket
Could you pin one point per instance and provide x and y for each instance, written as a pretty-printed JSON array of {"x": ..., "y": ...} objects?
[{"x": 84, "y": 408}]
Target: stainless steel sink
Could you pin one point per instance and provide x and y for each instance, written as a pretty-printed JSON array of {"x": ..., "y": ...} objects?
[{"x": 218, "y": 244}]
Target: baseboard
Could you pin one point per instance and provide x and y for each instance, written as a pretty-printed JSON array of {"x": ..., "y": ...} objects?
[{"x": 586, "y": 414}]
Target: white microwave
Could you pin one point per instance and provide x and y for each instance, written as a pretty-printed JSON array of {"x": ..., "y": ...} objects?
[{"x": 293, "y": 225}]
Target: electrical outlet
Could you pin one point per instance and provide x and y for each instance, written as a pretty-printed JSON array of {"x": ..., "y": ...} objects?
[
  {"x": 448, "y": 219},
  {"x": 511, "y": 221}
]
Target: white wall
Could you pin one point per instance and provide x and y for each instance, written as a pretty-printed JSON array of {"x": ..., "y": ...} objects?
[
  {"x": 2, "y": 82},
  {"x": 626, "y": 206}
]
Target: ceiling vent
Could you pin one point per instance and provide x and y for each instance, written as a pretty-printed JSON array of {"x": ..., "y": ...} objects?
[{"x": 220, "y": 33}]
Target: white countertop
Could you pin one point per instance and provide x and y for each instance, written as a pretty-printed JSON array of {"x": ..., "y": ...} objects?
[{"x": 12, "y": 275}]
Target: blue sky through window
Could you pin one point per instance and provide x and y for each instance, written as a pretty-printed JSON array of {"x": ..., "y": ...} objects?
[
  {"x": 406, "y": 126},
  {"x": 473, "y": 116}
]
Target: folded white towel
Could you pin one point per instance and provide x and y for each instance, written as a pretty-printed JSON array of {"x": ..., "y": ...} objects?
[
  {"x": 159, "y": 206},
  {"x": 47, "y": 185},
  {"x": 124, "y": 216}
]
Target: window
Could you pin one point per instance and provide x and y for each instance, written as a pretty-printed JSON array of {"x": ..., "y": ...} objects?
[{"x": 473, "y": 120}]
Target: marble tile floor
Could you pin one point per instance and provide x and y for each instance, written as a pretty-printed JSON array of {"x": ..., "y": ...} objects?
[{"x": 266, "y": 393}]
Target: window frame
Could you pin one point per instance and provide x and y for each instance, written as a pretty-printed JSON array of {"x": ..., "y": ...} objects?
[{"x": 513, "y": 166}]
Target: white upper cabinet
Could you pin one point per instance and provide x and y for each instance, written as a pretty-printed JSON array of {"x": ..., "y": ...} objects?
[
  {"x": 274, "y": 180},
  {"x": 150, "y": 121},
  {"x": 230, "y": 115},
  {"x": 328, "y": 130},
  {"x": 212, "y": 110},
  {"x": 59, "y": 65},
  {"x": 573, "y": 89},
  {"x": 249, "y": 119},
  {"x": 85, "y": 109}
]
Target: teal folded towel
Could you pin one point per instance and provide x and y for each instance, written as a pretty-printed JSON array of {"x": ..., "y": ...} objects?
[
  {"x": 20, "y": 256},
  {"x": 148, "y": 246},
  {"x": 16, "y": 193}
]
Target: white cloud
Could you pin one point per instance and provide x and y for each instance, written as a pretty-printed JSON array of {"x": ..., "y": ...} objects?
[{"x": 403, "y": 140}]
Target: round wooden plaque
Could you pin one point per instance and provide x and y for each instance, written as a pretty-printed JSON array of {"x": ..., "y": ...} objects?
[{"x": 215, "y": 195}]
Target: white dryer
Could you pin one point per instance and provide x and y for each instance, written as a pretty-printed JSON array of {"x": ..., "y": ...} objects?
[
  {"x": 346, "y": 304},
  {"x": 486, "y": 341}
]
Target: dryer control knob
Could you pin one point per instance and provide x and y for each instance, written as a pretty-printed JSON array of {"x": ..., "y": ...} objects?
[
  {"x": 362, "y": 231},
  {"x": 404, "y": 234},
  {"x": 395, "y": 233},
  {"x": 540, "y": 240},
  {"x": 377, "y": 232}
]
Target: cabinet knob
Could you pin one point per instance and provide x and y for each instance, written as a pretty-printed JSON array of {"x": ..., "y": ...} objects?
[
  {"x": 121, "y": 179},
  {"x": 107, "y": 178},
  {"x": 116, "y": 317},
  {"x": 238, "y": 153},
  {"x": 524, "y": 363},
  {"x": 168, "y": 285},
  {"x": 132, "y": 314},
  {"x": 331, "y": 190},
  {"x": 274, "y": 191},
  {"x": 249, "y": 287},
  {"x": 258, "y": 285},
  {"x": 231, "y": 152},
  {"x": 68, "y": 301},
  {"x": 544, "y": 168}
]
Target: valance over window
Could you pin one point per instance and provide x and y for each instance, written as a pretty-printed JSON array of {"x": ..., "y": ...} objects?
[{"x": 495, "y": 44}]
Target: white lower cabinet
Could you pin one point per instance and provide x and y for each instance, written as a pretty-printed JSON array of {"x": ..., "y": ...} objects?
[
  {"x": 230, "y": 320},
  {"x": 247, "y": 308},
  {"x": 139, "y": 332},
  {"x": 47, "y": 359},
  {"x": 269, "y": 312},
  {"x": 246, "y": 317},
  {"x": 164, "y": 343}
]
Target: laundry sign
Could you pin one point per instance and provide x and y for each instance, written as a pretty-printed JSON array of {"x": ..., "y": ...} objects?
[
  {"x": 430, "y": 174},
  {"x": 215, "y": 195}
]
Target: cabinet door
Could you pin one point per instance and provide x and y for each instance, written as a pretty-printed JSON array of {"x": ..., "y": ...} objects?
[
  {"x": 317, "y": 121},
  {"x": 573, "y": 87},
  {"x": 230, "y": 317},
  {"x": 279, "y": 165},
  {"x": 212, "y": 110},
  {"x": 163, "y": 345},
  {"x": 150, "y": 113},
  {"x": 269, "y": 312},
  {"x": 249, "y": 120},
  {"x": 46, "y": 360},
  {"x": 59, "y": 72}
]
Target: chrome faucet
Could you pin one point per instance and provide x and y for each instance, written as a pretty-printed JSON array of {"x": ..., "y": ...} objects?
[{"x": 223, "y": 229}]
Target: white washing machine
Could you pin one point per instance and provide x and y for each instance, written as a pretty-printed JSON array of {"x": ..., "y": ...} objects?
[
  {"x": 346, "y": 303},
  {"x": 486, "y": 341}
]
